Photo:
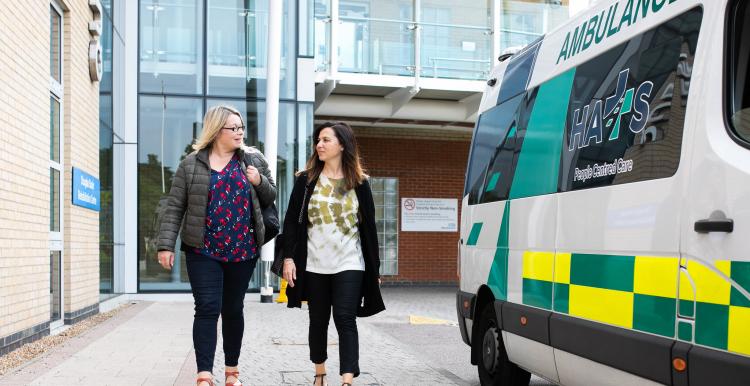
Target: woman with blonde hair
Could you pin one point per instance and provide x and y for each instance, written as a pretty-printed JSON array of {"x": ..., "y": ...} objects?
[
  {"x": 331, "y": 247},
  {"x": 219, "y": 190}
]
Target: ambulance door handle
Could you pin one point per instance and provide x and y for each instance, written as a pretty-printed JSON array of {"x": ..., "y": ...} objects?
[
  {"x": 714, "y": 225},
  {"x": 461, "y": 241}
]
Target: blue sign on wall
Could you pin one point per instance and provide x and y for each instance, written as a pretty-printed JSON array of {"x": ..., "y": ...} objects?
[{"x": 85, "y": 190}]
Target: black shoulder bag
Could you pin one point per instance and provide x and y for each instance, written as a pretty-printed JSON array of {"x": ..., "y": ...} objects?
[
  {"x": 278, "y": 259},
  {"x": 270, "y": 217}
]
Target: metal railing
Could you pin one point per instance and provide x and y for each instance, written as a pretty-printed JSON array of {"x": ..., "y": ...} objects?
[{"x": 403, "y": 47}]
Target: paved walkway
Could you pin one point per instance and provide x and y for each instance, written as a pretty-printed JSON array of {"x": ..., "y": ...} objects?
[{"x": 149, "y": 343}]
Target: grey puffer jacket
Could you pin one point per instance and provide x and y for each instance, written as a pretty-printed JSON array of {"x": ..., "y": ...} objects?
[{"x": 185, "y": 210}]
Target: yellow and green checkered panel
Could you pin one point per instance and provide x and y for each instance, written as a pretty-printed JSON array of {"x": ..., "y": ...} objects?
[{"x": 640, "y": 293}]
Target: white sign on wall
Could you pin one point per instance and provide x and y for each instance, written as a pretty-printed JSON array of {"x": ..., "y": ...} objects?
[{"x": 429, "y": 215}]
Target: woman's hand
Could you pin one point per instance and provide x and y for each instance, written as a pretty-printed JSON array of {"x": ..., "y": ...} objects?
[
  {"x": 290, "y": 271},
  {"x": 166, "y": 259},
  {"x": 253, "y": 175}
]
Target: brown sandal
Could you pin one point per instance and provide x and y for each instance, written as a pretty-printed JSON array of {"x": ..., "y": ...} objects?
[
  {"x": 322, "y": 379},
  {"x": 235, "y": 374},
  {"x": 203, "y": 379}
]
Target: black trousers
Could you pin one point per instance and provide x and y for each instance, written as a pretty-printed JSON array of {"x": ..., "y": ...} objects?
[
  {"x": 218, "y": 289},
  {"x": 342, "y": 292}
]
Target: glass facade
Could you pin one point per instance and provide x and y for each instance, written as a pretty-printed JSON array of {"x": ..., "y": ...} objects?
[
  {"x": 456, "y": 42},
  {"x": 523, "y": 21},
  {"x": 171, "y": 46},
  {"x": 237, "y": 33},
  {"x": 166, "y": 128},
  {"x": 387, "y": 37},
  {"x": 322, "y": 38},
  {"x": 306, "y": 28},
  {"x": 191, "y": 60},
  {"x": 383, "y": 37},
  {"x": 194, "y": 54}
]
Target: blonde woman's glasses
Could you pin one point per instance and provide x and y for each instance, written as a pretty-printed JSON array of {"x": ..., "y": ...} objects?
[{"x": 235, "y": 129}]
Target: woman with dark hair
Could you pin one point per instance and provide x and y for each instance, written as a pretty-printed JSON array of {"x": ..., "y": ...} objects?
[{"x": 331, "y": 247}]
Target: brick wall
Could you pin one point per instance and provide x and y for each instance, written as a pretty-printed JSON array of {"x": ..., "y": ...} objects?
[
  {"x": 24, "y": 165},
  {"x": 426, "y": 168},
  {"x": 25, "y": 169},
  {"x": 81, "y": 121}
]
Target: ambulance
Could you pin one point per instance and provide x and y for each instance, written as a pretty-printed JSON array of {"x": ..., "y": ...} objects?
[{"x": 605, "y": 227}]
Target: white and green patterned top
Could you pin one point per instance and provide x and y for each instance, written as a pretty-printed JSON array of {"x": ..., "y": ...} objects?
[{"x": 333, "y": 244}]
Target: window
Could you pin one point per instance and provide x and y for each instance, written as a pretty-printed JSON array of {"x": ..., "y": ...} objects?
[
  {"x": 56, "y": 175},
  {"x": 171, "y": 54},
  {"x": 385, "y": 194},
  {"x": 627, "y": 108},
  {"x": 55, "y": 287},
  {"x": 517, "y": 74},
  {"x": 738, "y": 61},
  {"x": 55, "y": 46},
  {"x": 237, "y": 52},
  {"x": 485, "y": 177},
  {"x": 166, "y": 128},
  {"x": 106, "y": 148},
  {"x": 306, "y": 42}
]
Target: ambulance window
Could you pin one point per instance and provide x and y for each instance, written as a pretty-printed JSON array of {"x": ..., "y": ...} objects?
[
  {"x": 489, "y": 136},
  {"x": 739, "y": 60},
  {"x": 502, "y": 164},
  {"x": 517, "y": 75},
  {"x": 627, "y": 108}
]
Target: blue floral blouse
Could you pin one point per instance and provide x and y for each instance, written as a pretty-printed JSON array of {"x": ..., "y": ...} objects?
[{"x": 229, "y": 236}]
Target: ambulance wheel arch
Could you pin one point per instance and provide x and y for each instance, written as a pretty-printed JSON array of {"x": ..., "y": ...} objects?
[
  {"x": 484, "y": 299},
  {"x": 494, "y": 367}
]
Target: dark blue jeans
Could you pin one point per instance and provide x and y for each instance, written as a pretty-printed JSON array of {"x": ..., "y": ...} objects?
[
  {"x": 218, "y": 289},
  {"x": 342, "y": 292}
]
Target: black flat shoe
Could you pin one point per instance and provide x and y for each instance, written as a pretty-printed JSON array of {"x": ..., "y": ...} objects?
[{"x": 322, "y": 379}]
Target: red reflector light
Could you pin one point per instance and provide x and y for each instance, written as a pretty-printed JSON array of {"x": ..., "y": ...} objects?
[{"x": 679, "y": 364}]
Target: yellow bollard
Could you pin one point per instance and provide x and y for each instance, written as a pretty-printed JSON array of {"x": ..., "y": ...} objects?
[{"x": 282, "y": 293}]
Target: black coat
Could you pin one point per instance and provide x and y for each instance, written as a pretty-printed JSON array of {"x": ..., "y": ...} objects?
[{"x": 295, "y": 244}]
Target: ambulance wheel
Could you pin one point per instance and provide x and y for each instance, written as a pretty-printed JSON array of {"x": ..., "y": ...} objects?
[{"x": 494, "y": 367}]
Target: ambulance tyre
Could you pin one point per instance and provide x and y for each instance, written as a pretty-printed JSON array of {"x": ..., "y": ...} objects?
[{"x": 494, "y": 367}]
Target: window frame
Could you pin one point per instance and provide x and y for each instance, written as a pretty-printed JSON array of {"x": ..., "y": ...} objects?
[
  {"x": 56, "y": 238},
  {"x": 728, "y": 76},
  {"x": 566, "y": 181},
  {"x": 517, "y": 100}
]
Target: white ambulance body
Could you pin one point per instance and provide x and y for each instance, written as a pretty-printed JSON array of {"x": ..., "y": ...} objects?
[{"x": 605, "y": 228}]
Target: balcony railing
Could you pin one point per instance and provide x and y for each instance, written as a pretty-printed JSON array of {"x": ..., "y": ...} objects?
[
  {"x": 391, "y": 47},
  {"x": 423, "y": 40}
]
